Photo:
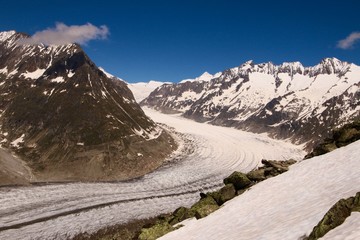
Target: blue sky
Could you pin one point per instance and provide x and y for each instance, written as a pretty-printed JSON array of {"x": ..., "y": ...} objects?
[{"x": 174, "y": 40}]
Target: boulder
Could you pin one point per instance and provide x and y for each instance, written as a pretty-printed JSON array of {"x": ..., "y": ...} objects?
[
  {"x": 224, "y": 194},
  {"x": 256, "y": 175},
  {"x": 204, "y": 207},
  {"x": 238, "y": 179},
  {"x": 180, "y": 214},
  {"x": 278, "y": 166}
]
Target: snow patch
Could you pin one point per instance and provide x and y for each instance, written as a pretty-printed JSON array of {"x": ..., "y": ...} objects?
[
  {"x": 70, "y": 74},
  {"x": 18, "y": 141},
  {"x": 35, "y": 74},
  {"x": 58, "y": 80},
  {"x": 4, "y": 70}
]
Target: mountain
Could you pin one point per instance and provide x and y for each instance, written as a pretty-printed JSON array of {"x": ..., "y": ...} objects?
[
  {"x": 142, "y": 89},
  {"x": 67, "y": 120},
  {"x": 285, "y": 101},
  {"x": 203, "y": 77}
]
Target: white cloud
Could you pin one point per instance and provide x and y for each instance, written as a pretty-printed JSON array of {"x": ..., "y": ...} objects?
[
  {"x": 63, "y": 34},
  {"x": 349, "y": 41}
]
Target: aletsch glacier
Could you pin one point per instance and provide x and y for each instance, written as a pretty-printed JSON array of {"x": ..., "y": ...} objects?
[{"x": 199, "y": 165}]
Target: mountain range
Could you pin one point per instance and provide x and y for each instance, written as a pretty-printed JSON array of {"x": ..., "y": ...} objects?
[
  {"x": 287, "y": 101},
  {"x": 68, "y": 120}
]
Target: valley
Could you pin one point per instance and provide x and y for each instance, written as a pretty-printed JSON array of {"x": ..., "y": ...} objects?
[{"x": 206, "y": 154}]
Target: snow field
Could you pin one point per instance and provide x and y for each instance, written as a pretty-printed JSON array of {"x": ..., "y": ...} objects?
[{"x": 287, "y": 206}]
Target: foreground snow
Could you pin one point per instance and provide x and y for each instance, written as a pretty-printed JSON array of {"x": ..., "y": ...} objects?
[
  {"x": 287, "y": 206},
  {"x": 206, "y": 155}
]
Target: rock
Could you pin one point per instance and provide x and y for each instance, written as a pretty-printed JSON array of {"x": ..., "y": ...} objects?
[
  {"x": 356, "y": 207},
  {"x": 224, "y": 194},
  {"x": 290, "y": 162},
  {"x": 238, "y": 179},
  {"x": 348, "y": 134},
  {"x": 256, "y": 175},
  {"x": 340, "y": 137},
  {"x": 156, "y": 231},
  {"x": 239, "y": 192},
  {"x": 180, "y": 215},
  {"x": 278, "y": 166},
  {"x": 335, "y": 216},
  {"x": 204, "y": 207},
  {"x": 202, "y": 195}
]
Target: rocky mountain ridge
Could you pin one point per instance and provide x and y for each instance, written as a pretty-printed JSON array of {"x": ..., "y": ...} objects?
[
  {"x": 285, "y": 101},
  {"x": 67, "y": 120}
]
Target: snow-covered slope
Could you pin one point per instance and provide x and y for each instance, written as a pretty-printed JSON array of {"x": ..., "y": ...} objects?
[
  {"x": 286, "y": 101},
  {"x": 287, "y": 206},
  {"x": 141, "y": 90}
]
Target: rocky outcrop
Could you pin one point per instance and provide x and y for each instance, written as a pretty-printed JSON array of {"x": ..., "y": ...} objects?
[
  {"x": 340, "y": 137},
  {"x": 336, "y": 216}
]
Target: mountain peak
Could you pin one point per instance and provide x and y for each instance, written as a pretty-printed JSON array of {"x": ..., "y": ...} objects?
[
  {"x": 6, "y": 34},
  {"x": 205, "y": 77},
  {"x": 329, "y": 66},
  {"x": 60, "y": 112}
]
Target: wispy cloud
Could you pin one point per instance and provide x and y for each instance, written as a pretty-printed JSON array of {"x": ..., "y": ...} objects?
[
  {"x": 349, "y": 41},
  {"x": 63, "y": 34}
]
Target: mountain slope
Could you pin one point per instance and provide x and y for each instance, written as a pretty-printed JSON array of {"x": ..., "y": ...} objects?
[
  {"x": 286, "y": 101},
  {"x": 68, "y": 120}
]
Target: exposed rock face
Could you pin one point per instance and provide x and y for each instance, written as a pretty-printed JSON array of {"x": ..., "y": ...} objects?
[
  {"x": 68, "y": 120},
  {"x": 340, "y": 137},
  {"x": 336, "y": 216},
  {"x": 286, "y": 101}
]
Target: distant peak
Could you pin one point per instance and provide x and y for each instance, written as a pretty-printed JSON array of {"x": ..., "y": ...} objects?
[
  {"x": 205, "y": 74},
  {"x": 332, "y": 60},
  {"x": 205, "y": 77},
  {"x": 291, "y": 68},
  {"x": 247, "y": 64}
]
